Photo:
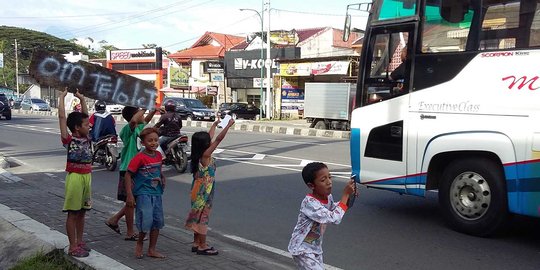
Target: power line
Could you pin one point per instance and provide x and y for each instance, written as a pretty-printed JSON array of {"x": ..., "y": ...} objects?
[
  {"x": 184, "y": 41},
  {"x": 314, "y": 13},
  {"x": 67, "y": 16},
  {"x": 134, "y": 16},
  {"x": 160, "y": 15}
]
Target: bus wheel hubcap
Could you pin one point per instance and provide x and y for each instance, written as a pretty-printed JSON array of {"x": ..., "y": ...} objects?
[{"x": 470, "y": 195}]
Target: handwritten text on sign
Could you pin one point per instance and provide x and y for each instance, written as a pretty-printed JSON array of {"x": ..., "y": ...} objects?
[{"x": 93, "y": 81}]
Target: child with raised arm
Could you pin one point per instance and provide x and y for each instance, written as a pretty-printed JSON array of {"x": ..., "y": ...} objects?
[
  {"x": 144, "y": 172},
  {"x": 316, "y": 211},
  {"x": 129, "y": 134},
  {"x": 203, "y": 168},
  {"x": 78, "y": 189}
]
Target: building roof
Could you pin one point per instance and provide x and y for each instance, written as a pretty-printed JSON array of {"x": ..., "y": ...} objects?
[
  {"x": 226, "y": 41},
  {"x": 206, "y": 48}
]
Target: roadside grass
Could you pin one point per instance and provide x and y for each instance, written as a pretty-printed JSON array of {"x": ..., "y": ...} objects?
[{"x": 52, "y": 261}]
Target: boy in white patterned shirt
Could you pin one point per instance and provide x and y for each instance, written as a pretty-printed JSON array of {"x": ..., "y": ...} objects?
[{"x": 316, "y": 211}]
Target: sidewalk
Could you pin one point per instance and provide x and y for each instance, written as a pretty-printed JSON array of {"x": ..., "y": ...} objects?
[
  {"x": 31, "y": 220},
  {"x": 289, "y": 127}
]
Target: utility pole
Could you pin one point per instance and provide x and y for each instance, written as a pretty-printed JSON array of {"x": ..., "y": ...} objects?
[
  {"x": 261, "y": 100},
  {"x": 17, "y": 67},
  {"x": 268, "y": 63}
]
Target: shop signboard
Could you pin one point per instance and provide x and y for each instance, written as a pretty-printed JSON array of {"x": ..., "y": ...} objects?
[
  {"x": 180, "y": 76},
  {"x": 314, "y": 68},
  {"x": 292, "y": 94},
  {"x": 93, "y": 81},
  {"x": 137, "y": 54},
  {"x": 213, "y": 67},
  {"x": 285, "y": 38},
  {"x": 217, "y": 77},
  {"x": 248, "y": 64}
]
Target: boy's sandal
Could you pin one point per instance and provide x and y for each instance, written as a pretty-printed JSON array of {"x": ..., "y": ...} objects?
[
  {"x": 208, "y": 251},
  {"x": 194, "y": 248},
  {"x": 79, "y": 253},
  {"x": 115, "y": 228},
  {"x": 84, "y": 247},
  {"x": 134, "y": 237}
]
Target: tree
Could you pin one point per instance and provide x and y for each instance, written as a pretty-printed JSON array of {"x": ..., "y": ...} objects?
[
  {"x": 149, "y": 46},
  {"x": 27, "y": 42}
]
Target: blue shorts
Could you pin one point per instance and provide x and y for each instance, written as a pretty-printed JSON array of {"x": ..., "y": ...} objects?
[{"x": 148, "y": 213}]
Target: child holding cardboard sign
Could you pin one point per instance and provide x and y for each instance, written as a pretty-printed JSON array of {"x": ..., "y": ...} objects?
[{"x": 78, "y": 188}]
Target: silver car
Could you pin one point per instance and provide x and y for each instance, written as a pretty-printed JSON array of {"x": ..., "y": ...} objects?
[{"x": 35, "y": 104}]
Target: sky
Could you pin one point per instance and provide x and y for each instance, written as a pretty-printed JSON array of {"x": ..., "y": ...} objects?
[{"x": 171, "y": 24}]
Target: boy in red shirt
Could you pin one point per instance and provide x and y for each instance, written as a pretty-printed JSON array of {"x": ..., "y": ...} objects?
[
  {"x": 144, "y": 187},
  {"x": 78, "y": 190}
]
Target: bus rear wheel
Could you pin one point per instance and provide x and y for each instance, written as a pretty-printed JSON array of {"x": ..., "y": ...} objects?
[{"x": 473, "y": 197}]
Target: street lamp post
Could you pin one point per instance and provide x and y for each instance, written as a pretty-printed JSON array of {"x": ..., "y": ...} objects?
[
  {"x": 268, "y": 64},
  {"x": 262, "y": 49}
]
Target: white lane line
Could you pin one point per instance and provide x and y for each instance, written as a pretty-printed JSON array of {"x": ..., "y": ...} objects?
[
  {"x": 296, "y": 142},
  {"x": 269, "y": 248},
  {"x": 283, "y": 157},
  {"x": 280, "y": 167}
]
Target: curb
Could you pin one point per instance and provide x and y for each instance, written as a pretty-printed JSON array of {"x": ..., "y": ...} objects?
[
  {"x": 57, "y": 240},
  {"x": 249, "y": 127},
  {"x": 5, "y": 175}
]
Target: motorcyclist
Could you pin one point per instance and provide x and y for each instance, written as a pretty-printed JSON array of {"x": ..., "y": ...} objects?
[
  {"x": 169, "y": 125},
  {"x": 101, "y": 122}
]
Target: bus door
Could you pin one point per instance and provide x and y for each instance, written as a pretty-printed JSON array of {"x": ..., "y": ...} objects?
[{"x": 386, "y": 83}]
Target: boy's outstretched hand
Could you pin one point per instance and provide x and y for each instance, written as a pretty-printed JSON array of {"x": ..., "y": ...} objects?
[{"x": 350, "y": 189}]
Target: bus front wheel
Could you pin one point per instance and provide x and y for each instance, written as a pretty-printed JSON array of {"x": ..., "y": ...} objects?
[{"x": 473, "y": 198}]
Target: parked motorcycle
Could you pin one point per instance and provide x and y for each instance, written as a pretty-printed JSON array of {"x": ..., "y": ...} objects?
[
  {"x": 176, "y": 153},
  {"x": 105, "y": 152}
]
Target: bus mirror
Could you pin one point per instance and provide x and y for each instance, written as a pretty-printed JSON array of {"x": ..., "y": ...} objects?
[
  {"x": 347, "y": 28},
  {"x": 454, "y": 11}
]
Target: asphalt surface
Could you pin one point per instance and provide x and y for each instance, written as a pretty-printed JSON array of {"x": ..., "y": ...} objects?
[{"x": 259, "y": 190}]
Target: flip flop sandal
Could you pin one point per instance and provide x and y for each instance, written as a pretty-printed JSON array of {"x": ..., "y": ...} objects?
[
  {"x": 194, "y": 249},
  {"x": 115, "y": 228},
  {"x": 208, "y": 251},
  {"x": 139, "y": 256},
  {"x": 132, "y": 238},
  {"x": 79, "y": 253}
]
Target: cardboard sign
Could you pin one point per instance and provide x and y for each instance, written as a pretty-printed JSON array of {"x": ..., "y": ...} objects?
[
  {"x": 225, "y": 121},
  {"x": 93, "y": 81}
]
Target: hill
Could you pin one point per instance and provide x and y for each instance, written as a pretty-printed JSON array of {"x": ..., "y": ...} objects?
[{"x": 28, "y": 41}]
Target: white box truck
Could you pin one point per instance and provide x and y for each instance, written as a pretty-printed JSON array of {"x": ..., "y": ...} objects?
[{"x": 329, "y": 105}]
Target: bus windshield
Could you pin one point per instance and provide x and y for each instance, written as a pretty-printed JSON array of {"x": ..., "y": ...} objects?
[{"x": 394, "y": 9}]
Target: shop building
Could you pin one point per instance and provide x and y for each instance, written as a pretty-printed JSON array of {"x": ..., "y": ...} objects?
[
  {"x": 298, "y": 56},
  {"x": 200, "y": 70},
  {"x": 144, "y": 64},
  {"x": 243, "y": 72}
]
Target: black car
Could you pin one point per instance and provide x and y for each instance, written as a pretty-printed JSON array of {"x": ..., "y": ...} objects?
[
  {"x": 5, "y": 107},
  {"x": 192, "y": 109},
  {"x": 238, "y": 110}
]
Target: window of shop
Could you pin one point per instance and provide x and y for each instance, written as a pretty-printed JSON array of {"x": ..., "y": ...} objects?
[{"x": 254, "y": 99}]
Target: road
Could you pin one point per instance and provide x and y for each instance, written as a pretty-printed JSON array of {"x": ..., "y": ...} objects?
[{"x": 259, "y": 190}]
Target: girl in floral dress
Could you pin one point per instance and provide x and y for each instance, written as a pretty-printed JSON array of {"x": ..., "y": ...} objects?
[{"x": 203, "y": 167}]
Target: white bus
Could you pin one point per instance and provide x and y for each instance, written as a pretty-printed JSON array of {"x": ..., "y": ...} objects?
[{"x": 448, "y": 99}]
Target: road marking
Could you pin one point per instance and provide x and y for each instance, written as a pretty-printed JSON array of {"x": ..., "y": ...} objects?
[
  {"x": 269, "y": 248},
  {"x": 283, "y": 157},
  {"x": 295, "y": 142}
]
